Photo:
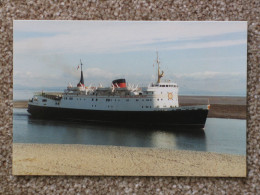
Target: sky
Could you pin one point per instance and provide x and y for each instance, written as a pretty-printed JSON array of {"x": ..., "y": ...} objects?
[{"x": 203, "y": 58}]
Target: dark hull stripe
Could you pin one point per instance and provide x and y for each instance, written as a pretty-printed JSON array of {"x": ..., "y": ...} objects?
[{"x": 196, "y": 118}]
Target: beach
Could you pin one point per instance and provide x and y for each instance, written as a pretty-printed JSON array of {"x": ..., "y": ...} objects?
[
  {"x": 61, "y": 159},
  {"x": 220, "y": 106},
  {"x": 20, "y": 104}
]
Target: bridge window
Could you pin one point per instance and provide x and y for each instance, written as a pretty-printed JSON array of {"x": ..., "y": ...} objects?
[{"x": 44, "y": 100}]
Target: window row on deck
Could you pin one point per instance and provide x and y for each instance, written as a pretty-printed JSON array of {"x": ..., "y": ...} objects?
[
  {"x": 107, "y": 100},
  {"x": 164, "y": 85}
]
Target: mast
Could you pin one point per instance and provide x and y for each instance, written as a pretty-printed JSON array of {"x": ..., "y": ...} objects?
[
  {"x": 81, "y": 77},
  {"x": 160, "y": 75}
]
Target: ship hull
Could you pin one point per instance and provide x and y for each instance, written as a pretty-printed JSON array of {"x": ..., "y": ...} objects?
[{"x": 189, "y": 118}]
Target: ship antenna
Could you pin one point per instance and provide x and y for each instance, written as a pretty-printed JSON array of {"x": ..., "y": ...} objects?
[{"x": 160, "y": 75}]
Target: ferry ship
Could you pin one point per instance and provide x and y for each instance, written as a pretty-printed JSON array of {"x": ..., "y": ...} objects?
[{"x": 156, "y": 104}]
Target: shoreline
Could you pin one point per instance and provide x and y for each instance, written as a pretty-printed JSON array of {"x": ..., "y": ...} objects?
[
  {"x": 220, "y": 107},
  {"x": 69, "y": 159}
]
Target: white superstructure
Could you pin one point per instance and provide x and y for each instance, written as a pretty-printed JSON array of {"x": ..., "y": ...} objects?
[
  {"x": 118, "y": 97},
  {"x": 160, "y": 96}
]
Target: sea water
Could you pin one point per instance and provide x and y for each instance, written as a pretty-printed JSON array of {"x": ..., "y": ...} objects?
[{"x": 226, "y": 136}]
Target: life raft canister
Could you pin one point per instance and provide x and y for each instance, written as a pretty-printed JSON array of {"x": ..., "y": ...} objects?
[{"x": 119, "y": 83}]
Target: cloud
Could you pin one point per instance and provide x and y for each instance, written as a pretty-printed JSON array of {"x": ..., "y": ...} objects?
[
  {"x": 170, "y": 28},
  {"x": 35, "y": 79},
  {"x": 91, "y": 75},
  {"x": 112, "y": 36},
  {"x": 212, "y": 83},
  {"x": 48, "y": 49},
  {"x": 207, "y": 45},
  {"x": 209, "y": 75},
  {"x": 189, "y": 83},
  {"x": 94, "y": 73}
]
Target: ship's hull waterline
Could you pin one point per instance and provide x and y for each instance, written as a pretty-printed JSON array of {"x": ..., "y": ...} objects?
[{"x": 186, "y": 117}]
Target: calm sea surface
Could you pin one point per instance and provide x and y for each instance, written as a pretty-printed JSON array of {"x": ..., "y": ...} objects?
[{"x": 220, "y": 135}]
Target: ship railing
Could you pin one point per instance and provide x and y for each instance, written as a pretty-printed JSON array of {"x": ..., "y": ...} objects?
[{"x": 50, "y": 95}]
